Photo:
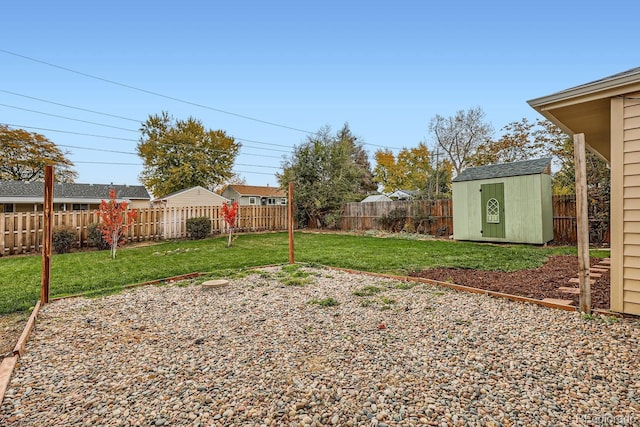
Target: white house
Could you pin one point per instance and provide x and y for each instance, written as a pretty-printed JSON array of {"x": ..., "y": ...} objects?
[{"x": 248, "y": 195}]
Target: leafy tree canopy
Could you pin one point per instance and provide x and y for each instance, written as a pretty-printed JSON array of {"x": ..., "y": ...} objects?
[
  {"x": 327, "y": 170},
  {"x": 24, "y": 155},
  {"x": 179, "y": 154}
]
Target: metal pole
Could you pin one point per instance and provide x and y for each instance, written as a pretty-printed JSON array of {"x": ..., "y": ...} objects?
[{"x": 47, "y": 234}]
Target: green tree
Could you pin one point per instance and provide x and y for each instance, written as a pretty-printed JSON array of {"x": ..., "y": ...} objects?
[
  {"x": 410, "y": 170},
  {"x": 180, "y": 154},
  {"x": 24, "y": 155},
  {"x": 327, "y": 171},
  {"x": 460, "y": 136}
]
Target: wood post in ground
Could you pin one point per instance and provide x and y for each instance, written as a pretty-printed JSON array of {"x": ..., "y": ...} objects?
[
  {"x": 582, "y": 220},
  {"x": 47, "y": 234},
  {"x": 290, "y": 211}
]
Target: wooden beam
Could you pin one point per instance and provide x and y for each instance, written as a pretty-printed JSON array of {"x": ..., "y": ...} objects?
[
  {"x": 582, "y": 220},
  {"x": 47, "y": 234},
  {"x": 290, "y": 211}
]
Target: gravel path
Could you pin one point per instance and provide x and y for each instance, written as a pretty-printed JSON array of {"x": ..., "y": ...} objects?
[{"x": 264, "y": 353}]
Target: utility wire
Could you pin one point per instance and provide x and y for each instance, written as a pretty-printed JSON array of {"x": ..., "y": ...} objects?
[
  {"x": 135, "y": 120},
  {"x": 172, "y": 98},
  {"x": 117, "y": 138},
  {"x": 71, "y": 106},
  {"x": 69, "y": 118},
  {"x": 136, "y": 154}
]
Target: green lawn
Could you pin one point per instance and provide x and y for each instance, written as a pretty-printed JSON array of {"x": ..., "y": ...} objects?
[{"x": 94, "y": 272}]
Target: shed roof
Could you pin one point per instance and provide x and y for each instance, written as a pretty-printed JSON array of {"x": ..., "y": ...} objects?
[
  {"x": 376, "y": 198},
  {"x": 503, "y": 170},
  {"x": 21, "y": 189}
]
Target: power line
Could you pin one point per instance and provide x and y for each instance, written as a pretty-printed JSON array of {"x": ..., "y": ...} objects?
[
  {"x": 172, "y": 98},
  {"x": 135, "y": 120},
  {"x": 118, "y": 138},
  {"x": 71, "y": 106},
  {"x": 136, "y": 154},
  {"x": 69, "y": 118}
]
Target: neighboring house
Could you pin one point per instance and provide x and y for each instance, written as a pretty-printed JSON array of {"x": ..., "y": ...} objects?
[
  {"x": 607, "y": 112},
  {"x": 194, "y": 196},
  {"x": 248, "y": 195},
  {"x": 376, "y": 198},
  {"x": 403, "y": 194},
  {"x": 508, "y": 202},
  {"x": 20, "y": 196}
]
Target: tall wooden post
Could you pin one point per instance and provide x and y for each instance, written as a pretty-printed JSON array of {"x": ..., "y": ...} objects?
[
  {"x": 47, "y": 234},
  {"x": 582, "y": 217},
  {"x": 290, "y": 211}
]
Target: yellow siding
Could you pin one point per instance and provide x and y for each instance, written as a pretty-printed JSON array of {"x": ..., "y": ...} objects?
[
  {"x": 196, "y": 196},
  {"x": 630, "y": 292}
]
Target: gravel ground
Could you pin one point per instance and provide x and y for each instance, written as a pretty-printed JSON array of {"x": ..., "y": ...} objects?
[{"x": 262, "y": 352}]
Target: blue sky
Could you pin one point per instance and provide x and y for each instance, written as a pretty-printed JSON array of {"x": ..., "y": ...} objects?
[{"x": 385, "y": 67}]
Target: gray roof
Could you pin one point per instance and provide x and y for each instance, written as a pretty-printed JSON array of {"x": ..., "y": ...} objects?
[
  {"x": 376, "y": 198},
  {"x": 503, "y": 170},
  {"x": 21, "y": 189}
]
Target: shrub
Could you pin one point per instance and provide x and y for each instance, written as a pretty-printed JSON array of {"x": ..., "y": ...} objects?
[
  {"x": 63, "y": 239},
  {"x": 199, "y": 227},
  {"x": 395, "y": 221},
  {"x": 95, "y": 237}
]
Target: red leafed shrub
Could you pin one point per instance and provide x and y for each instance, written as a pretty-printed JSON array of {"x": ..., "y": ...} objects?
[
  {"x": 229, "y": 214},
  {"x": 116, "y": 219}
]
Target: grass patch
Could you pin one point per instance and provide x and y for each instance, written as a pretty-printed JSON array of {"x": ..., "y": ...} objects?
[
  {"x": 367, "y": 291},
  {"x": 325, "y": 302},
  {"x": 97, "y": 273},
  {"x": 405, "y": 285}
]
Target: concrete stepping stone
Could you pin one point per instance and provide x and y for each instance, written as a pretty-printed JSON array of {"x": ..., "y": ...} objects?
[
  {"x": 595, "y": 275},
  {"x": 598, "y": 269},
  {"x": 566, "y": 290},
  {"x": 215, "y": 284},
  {"x": 606, "y": 261}
]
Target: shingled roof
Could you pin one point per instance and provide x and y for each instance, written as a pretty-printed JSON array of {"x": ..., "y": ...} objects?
[
  {"x": 255, "y": 190},
  {"x": 503, "y": 170},
  {"x": 29, "y": 190}
]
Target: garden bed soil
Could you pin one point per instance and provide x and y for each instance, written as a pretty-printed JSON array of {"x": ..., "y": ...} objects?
[
  {"x": 538, "y": 283},
  {"x": 11, "y": 327}
]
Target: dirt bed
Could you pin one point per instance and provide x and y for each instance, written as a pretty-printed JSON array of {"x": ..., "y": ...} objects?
[{"x": 538, "y": 283}]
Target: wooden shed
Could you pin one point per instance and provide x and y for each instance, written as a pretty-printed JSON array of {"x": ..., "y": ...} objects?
[
  {"x": 509, "y": 202},
  {"x": 607, "y": 112}
]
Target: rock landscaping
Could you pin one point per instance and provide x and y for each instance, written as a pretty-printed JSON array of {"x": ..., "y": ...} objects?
[{"x": 313, "y": 347}]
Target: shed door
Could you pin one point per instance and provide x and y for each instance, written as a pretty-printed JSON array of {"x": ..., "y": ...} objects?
[{"x": 492, "y": 209}]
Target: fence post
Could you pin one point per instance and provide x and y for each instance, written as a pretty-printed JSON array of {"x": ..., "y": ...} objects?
[
  {"x": 290, "y": 225},
  {"x": 47, "y": 234}
]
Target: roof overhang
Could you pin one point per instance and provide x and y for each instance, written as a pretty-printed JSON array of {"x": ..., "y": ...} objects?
[{"x": 587, "y": 108}]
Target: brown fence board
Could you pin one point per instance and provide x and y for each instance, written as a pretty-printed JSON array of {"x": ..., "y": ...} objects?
[
  {"x": 21, "y": 232},
  {"x": 366, "y": 216}
]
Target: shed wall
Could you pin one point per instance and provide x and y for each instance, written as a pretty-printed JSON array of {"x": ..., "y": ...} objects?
[{"x": 527, "y": 218}]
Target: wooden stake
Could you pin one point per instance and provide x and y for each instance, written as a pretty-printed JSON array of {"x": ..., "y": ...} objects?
[
  {"x": 290, "y": 211},
  {"x": 582, "y": 220},
  {"x": 47, "y": 234}
]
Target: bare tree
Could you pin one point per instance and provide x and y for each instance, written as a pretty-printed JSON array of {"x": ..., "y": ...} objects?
[{"x": 461, "y": 135}]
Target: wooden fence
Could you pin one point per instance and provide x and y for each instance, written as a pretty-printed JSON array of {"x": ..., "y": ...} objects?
[
  {"x": 371, "y": 216},
  {"x": 433, "y": 217},
  {"x": 21, "y": 232}
]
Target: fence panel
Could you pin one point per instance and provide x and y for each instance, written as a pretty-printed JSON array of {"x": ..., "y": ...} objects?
[
  {"x": 21, "y": 232},
  {"x": 367, "y": 216}
]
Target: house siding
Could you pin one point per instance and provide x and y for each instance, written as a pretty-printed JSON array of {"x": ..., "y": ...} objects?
[
  {"x": 197, "y": 196},
  {"x": 626, "y": 297}
]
